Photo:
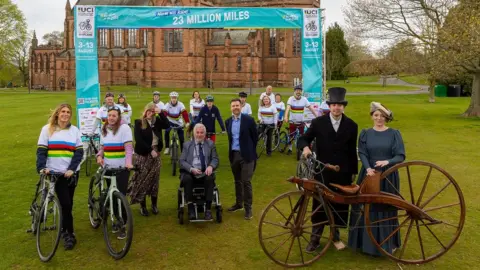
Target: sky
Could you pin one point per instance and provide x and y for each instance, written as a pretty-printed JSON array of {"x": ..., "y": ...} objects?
[{"x": 45, "y": 16}]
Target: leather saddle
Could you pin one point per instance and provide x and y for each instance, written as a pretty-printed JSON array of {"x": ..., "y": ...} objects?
[{"x": 370, "y": 185}]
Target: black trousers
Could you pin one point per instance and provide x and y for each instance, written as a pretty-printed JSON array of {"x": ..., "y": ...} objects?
[
  {"x": 189, "y": 181},
  {"x": 122, "y": 186},
  {"x": 65, "y": 189},
  {"x": 319, "y": 217},
  {"x": 270, "y": 129},
  {"x": 181, "y": 136},
  {"x": 242, "y": 173}
]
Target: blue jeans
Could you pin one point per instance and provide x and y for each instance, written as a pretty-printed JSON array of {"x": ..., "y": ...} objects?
[{"x": 180, "y": 136}]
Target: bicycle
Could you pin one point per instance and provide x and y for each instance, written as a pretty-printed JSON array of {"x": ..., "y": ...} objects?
[
  {"x": 286, "y": 138},
  {"x": 44, "y": 208},
  {"x": 174, "y": 149},
  {"x": 262, "y": 136},
  {"x": 442, "y": 221},
  {"x": 91, "y": 151},
  {"x": 103, "y": 195}
]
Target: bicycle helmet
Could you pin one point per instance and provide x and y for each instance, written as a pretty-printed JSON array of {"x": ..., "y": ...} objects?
[
  {"x": 209, "y": 98},
  {"x": 174, "y": 94},
  {"x": 242, "y": 94},
  {"x": 299, "y": 87},
  {"x": 114, "y": 108},
  {"x": 122, "y": 96},
  {"x": 156, "y": 93},
  {"x": 109, "y": 94}
]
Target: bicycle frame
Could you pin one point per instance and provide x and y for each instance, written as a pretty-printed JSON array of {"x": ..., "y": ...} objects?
[{"x": 111, "y": 189}]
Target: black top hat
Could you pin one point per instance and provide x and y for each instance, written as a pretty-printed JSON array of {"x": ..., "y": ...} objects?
[{"x": 336, "y": 95}]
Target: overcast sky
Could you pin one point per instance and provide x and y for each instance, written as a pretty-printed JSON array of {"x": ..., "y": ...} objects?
[{"x": 45, "y": 16}]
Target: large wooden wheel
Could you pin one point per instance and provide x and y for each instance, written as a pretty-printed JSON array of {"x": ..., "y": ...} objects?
[
  {"x": 285, "y": 229},
  {"x": 400, "y": 234}
]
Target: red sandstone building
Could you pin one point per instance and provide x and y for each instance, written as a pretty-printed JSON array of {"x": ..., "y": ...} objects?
[{"x": 177, "y": 58}]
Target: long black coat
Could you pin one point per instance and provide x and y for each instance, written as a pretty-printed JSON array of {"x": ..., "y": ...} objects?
[
  {"x": 144, "y": 137},
  {"x": 337, "y": 148}
]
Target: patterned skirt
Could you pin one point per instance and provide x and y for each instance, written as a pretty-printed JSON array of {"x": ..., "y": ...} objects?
[{"x": 144, "y": 182}]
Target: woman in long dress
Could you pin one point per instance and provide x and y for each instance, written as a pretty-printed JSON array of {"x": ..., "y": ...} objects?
[{"x": 379, "y": 148}]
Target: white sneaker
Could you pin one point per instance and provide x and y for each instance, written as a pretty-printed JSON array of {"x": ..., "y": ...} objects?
[{"x": 167, "y": 151}]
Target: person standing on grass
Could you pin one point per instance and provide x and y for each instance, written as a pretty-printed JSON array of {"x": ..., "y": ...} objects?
[
  {"x": 268, "y": 117},
  {"x": 336, "y": 144},
  {"x": 60, "y": 150},
  {"x": 242, "y": 145},
  {"x": 148, "y": 146},
  {"x": 246, "y": 108},
  {"x": 116, "y": 151},
  {"x": 176, "y": 114},
  {"x": 127, "y": 109},
  {"x": 207, "y": 116},
  {"x": 102, "y": 113},
  {"x": 156, "y": 100},
  {"x": 196, "y": 104},
  {"x": 268, "y": 93},
  {"x": 379, "y": 148},
  {"x": 280, "y": 105}
]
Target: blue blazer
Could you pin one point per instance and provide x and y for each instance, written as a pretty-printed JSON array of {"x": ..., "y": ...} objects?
[{"x": 248, "y": 138}]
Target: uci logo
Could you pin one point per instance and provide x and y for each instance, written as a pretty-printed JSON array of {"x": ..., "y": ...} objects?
[
  {"x": 311, "y": 12},
  {"x": 85, "y": 9}
]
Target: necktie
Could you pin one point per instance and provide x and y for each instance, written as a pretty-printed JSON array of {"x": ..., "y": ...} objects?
[{"x": 202, "y": 157}]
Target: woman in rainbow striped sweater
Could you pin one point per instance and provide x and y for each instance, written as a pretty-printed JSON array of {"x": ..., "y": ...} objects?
[
  {"x": 116, "y": 151},
  {"x": 268, "y": 117},
  {"x": 60, "y": 150}
]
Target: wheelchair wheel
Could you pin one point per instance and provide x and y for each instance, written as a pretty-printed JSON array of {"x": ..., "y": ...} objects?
[
  {"x": 180, "y": 208},
  {"x": 180, "y": 216},
  {"x": 219, "y": 214}
]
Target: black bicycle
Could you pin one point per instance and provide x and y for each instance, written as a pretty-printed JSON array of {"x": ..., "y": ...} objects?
[
  {"x": 46, "y": 213},
  {"x": 175, "y": 149},
  {"x": 90, "y": 153},
  {"x": 262, "y": 139}
]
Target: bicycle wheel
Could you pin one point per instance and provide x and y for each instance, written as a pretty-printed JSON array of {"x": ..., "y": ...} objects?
[
  {"x": 118, "y": 226},
  {"x": 261, "y": 144},
  {"x": 49, "y": 225},
  {"x": 283, "y": 142},
  {"x": 94, "y": 203},
  {"x": 174, "y": 157},
  {"x": 275, "y": 139},
  {"x": 406, "y": 237},
  {"x": 287, "y": 220}
]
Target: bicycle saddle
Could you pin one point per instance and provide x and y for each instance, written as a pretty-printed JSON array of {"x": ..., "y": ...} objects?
[{"x": 352, "y": 189}]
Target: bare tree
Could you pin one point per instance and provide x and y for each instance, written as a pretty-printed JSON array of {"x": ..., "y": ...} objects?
[
  {"x": 396, "y": 19},
  {"x": 20, "y": 58}
]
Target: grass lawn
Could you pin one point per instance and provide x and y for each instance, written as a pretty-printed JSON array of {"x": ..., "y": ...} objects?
[
  {"x": 363, "y": 79},
  {"x": 421, "y": 79},
  {"x": 432, "y": 132}
]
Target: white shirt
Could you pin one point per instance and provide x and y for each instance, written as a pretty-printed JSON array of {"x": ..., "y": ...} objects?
[
  {"x": 195, "y": 107},
  {"x": 127, "y": 113},
  {"x": 297, "y": 107},
  {"x": 174, "y": 113},
  {"x": 271, "y": 96},
  {"x": 268, "y": 115},
  {"x": 102, "y": 113},
  {"x": 246, "y": 109},
  {"x": 160, "y": 105},
  {"x": 114, "y": 146},
  {"x": 335, "y": 123}
]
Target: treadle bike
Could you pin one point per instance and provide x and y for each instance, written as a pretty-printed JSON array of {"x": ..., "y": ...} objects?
[
  {"x": 104, "y": 202},
  {"x": 46, "y": 213},
  {"x": 91, "y": 151},
  {"x": 175, "y": 149},
  {"x": 428, "y": 215},
  {"x": 262, "y": 138}
]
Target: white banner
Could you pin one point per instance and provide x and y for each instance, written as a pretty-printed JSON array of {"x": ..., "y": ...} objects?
[
  {"x": 85, "y": 27},
  {"x": 311, "y": 29},
  {"x": 86, "y": 118}
]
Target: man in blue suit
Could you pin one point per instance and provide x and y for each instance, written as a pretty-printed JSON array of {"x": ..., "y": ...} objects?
[{"x": 242, "y": 141}]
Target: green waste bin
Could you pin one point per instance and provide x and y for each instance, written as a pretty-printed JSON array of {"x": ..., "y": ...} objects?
[{"x": 440, "y": 90}]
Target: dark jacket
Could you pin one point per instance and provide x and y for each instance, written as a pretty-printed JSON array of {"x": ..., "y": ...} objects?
[
  {"x": 186, "y": 158},
  {"x": 144, "y": 137},
  {"x": 248, "y": 138},
  {"x": 207, "y": 117}
]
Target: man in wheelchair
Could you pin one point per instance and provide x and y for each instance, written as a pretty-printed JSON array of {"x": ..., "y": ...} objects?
[{"x": 198, "y": 162}]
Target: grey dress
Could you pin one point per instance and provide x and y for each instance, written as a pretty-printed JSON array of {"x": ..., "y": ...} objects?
[{"x": 376, "y": 146}]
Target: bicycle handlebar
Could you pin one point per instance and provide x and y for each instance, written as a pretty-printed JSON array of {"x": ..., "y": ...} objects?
[{"x": 335, "y": 168}]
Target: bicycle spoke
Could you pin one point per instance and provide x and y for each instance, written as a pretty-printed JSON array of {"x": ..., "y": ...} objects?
[
  {"x": 410, "y": 184},
  {"x": 277, "y": 235},
  {"x": 435, "y": 195},
  {"x": 274, "y": 224},
  {"x": 283, "y": 243},
  {"x": 286, "y": 219},
  {"x": 289, "y": 250},
  {"x": 394, "y": 232},
  {"x": 301, "y": 252},
  {"x": 440, "y": 207},
  {"x": 387, "y": 219},
  {"x": 313, "y": 213},
  {"x": 424, "y": 186},
  {"x": 434, "y": 235},
  {"x": 316, "y": 224},
  {"x": 291, "y": 206},
  {"x": 420, "y": 239},
  {"x": 398, "y": 192}
]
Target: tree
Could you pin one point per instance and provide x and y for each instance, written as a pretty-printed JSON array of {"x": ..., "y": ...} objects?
[
  {"x": 20, "y": 59},
  {"x": 397, "y": 19},
  {"x": 357, "y": 49},
  {"x": 336, "y": 52},
  {"x": 459, "y": 43},
  {"x": 12, "y": 35},
  {"x": 54, "y": 38},
  {"x": 407, "y": 57}
]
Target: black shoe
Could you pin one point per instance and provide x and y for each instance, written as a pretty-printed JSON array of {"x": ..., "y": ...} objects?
[
  {"x": 208, "y": 215},
  {"x": 123, "y": 234},
  {"x": 154, "y": 205},
  {"x": 191, "y": 212},
  {"x": 143, "y": 209},
  {"x": 235, "y": 208},
  {"x": 269, "y": 154},
  {"x": 248, "y": 213},
  {"x": 289, "y": 152},
  {"x": 70, "y": 241},
  {"x": 312, "y": 246}
]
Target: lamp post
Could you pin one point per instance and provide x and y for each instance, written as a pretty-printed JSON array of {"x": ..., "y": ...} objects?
[{"x": 251, "y": 69}]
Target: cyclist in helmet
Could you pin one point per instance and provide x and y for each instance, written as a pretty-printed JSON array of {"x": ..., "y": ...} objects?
[
  {"x": 102, "y": 113},
  {"x": 156, "y": 99},
  {"x": 127, "y": 109},
  {"x": 246, "y": 108},
  {"x": 207, "y": 116},
  {"x": 296, "y": 105},
  {"x": 175, "y": 111}
]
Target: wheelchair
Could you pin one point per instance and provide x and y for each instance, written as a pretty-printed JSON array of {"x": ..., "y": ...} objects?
[{"x": 198, "y": 202}]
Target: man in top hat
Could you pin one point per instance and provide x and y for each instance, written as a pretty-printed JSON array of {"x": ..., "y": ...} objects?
[{"x": 336, "y": 144}]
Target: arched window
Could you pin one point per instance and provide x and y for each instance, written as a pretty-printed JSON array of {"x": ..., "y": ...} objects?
[
  {"x": 132, "y": 37},
  {"x": 215, "y": 62},
  {"x": 41, "y": 63},
  {"x": 118, "y": 37},
  {"x": 103, "y": 36},
  {"x": 47, "y": 66},
  {"x": 273, "y": 42},
  {"x": 239, "y": 63},
  {"x": 173, "y": 40},
  {"x": 296, "y": 42}
]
